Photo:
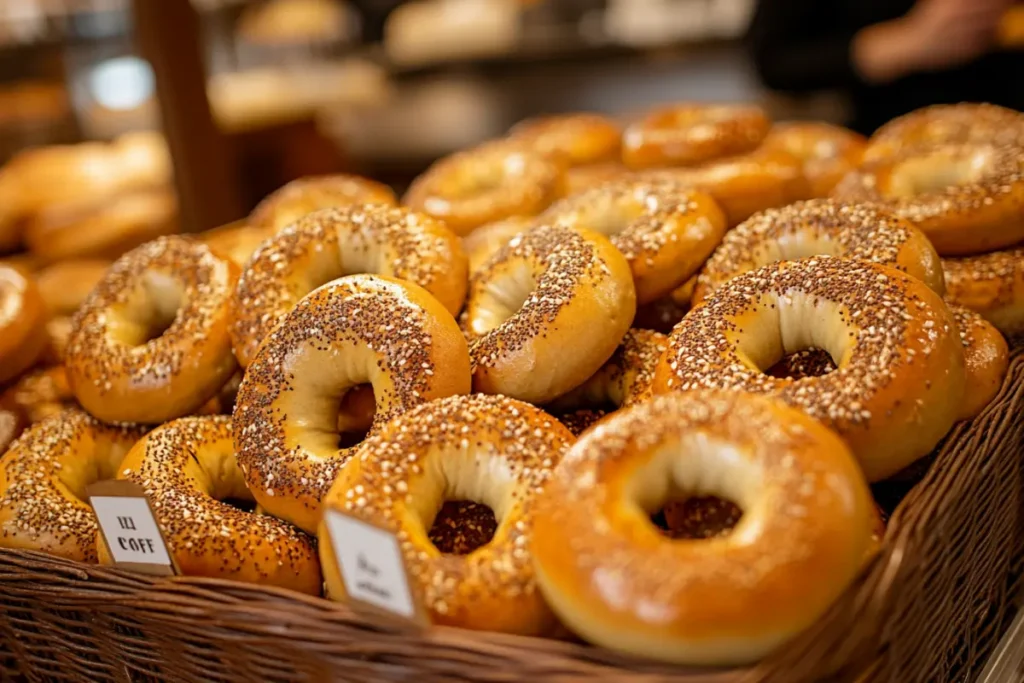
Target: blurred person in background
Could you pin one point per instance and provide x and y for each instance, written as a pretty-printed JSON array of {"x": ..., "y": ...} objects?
[{"x": 889, "y": 56}]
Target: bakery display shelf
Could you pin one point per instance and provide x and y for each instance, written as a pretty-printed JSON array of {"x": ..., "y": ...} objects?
[{"x": 930, "y": 607}]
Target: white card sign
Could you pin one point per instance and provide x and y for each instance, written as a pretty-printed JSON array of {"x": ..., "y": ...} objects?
[
  {"x": 372, "y": 567},
  {"x": 129, "y": 527}
]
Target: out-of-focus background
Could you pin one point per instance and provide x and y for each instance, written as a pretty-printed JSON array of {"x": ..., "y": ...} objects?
[{"x": 255, "y": 93}]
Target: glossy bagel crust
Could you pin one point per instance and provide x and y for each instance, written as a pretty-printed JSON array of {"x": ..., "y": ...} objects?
[
  {"x": 615, "y": 579},
  {"x": 665, "y": 230},
  {"x": 22, "y": 323},
  {"x": 187, "y": 468},
  {"x": 991, "y": 284},
  {"x": 43, "y": 480},
  {"x": 827, "y": 152},
  {"x": 900, "y": 380},
  {"x": 548, "y": 290},
  {"x": 291, "y": 202},
  {"x": 986, "y": 357},
  {"x": 489, "y": 449},
  {"x": 332, "y": 243},
  {"x": 175, "y": 287},
  {"x": 66, "y": 284},
  {"x": 580, "y": 139},
  {"x": 942, "y": 124},
  {"x": 357, "y": 330},
  {"x": 821, "y": 227}
]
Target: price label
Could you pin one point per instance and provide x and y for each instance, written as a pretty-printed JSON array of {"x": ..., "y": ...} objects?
[
  {"x": 129, "y": 528},
  {"x": 372, "y": 568}
]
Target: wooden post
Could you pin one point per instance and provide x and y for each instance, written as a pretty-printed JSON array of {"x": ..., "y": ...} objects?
[{"x": 205, "y": 172}]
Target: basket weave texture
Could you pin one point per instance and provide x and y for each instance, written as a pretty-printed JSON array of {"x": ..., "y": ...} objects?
[{"x": 930, "y": 607}]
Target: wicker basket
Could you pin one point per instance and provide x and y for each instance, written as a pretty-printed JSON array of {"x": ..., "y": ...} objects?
[{"x": 929, "y": 608}]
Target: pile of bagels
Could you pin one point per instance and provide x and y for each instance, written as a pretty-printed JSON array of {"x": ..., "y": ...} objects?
[{"x": 670, "y": 359}]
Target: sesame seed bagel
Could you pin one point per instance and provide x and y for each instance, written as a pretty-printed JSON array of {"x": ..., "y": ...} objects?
[
  {"x": 548, "y": 290},
  {"x": 821, "y": 227},
  {"x": 236, "y": 241},
  {"x": 65, "y": 285},
  {"x": 361, "y": 329},
  {"x": 991, "y": 284},
  {"x": 967, "y": 199},
  {"x": 488, "y": 449},
  {"x": 22, "y": 323},
  {"x": 332, "y": 243},
  {"x": 481, "y": 244},
  {"x": 488, "y": 183},
  {"x": 665, "y": 230},
  {"x": 580, "y": 139},
  {"x": 621, "y": 382},
  {"x": 900, "y": 378},
  {"x": 43, "y": 478},
  {"x": 151, "y": 343},
  {"x": 986, "y": 357},
  {"x": 743, "y": 185},
  {"x": 942, "y": 124},
  {"x": 614, "y": 579},
  {"x": 691, "y": 134},
  {"x": 827, "y": 152},
  {"x": 102, "y": 228},
  {"x": 187, "y": 468},
  {"x": 291, "y": 202}
]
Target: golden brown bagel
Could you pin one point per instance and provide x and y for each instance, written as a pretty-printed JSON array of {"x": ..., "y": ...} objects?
[
  {"x": 361, "y": 329},
  {"x": 943, "y": 124},
  {"x": 991, "y": 284},
  {"x": 481, "y": 244},
  {"x": 488, "y": 183},
  {"x": 102, "y": 228},
  {"x": 743, "y": 185},
  {"x": 900, "y": 380},
  {"x": 821, "y": 227},
  {"x": 691, "y": 134},
  {"x": 986, "y": 357},
  {"x": 39, "y": 394},
  {"x": 579, "y": 178},
  {"x": 967, "y": 199},
  {"x": 332, "y": 243},
  {"x": 151, "y": 342},
  {"x": 187, "y": 468},
  {"x": 827, "y": 152},
  {"x": 614, "y": 579},
  {"x": 237, "y": 241},
  {"x": 43, "y": 478},
  {"x": 665, "y": 230},
  {"x": 488, "y": 449},
  {"x": 580, "y": 139},
  {"x": 306, "y": 195},
  {"x": 65, "y": 285},
  {"x": 22, "y": 323},
  {"x": 548, "y": 290}
]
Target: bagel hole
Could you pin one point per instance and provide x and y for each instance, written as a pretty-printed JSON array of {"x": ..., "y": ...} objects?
[
  {"x": 355, "y": 415},
  {"x": 240, "y": 504},
  {"x": 462, "y": 526},
  {"x": 936, "y": 172},
  {"x": 697, "y": 517},
  {"x": 810, "y": 362}
]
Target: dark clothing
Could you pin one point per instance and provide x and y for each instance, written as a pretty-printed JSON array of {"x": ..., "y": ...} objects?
[{"x": 804, "y": 45}]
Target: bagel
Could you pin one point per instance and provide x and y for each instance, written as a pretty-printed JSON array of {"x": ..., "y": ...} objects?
[
  {"x": 357, "y": 330},
  {"x": 580, "y": 139},
  {"x": 691, "y": 134},
  {"x": 39, "y": 394},
  {"x": 187, "y": 469},
  {"x": 12, "y": 423},
  {"x": 489, "y": 449},
  {"x": 943, "y": 124},
  {"x": 58, "y": 331},
  {"x": 236, "y": 241},
  {"x": 22, "y": 323},
  {"x": 986, "y": 357},
  {"x": 821, "y": 227},
  {"x": 488, "y": 183},
  {"x": 102, "y": 228},
  {"x": 65, "y": 285},
  {"x": 481, "y": 244},
  {"x": 43, "y": 481},
  {"x": 827, "y": 152},
  {"x": 306, "y": 195},
  {"x": 900, "y": 380},
  {"x": 990, "y": 284},
  {"x": 967, "y": 199},
  {"x": 548, "y": 290},
  {"x": 151, "y": 342},
  {"x": 611, "y": 576},
  {"x": 665, "y": 230},
  {"x": 332, "y": 243},
  {"x": 579, "y": 178}
]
